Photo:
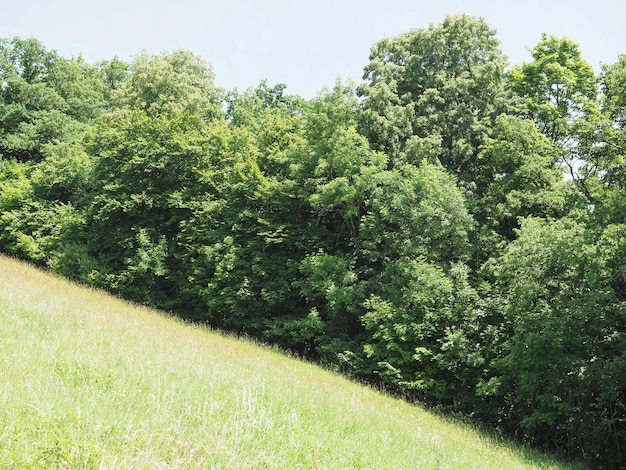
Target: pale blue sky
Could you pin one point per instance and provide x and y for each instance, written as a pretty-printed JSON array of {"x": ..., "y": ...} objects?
[{"x": 304, "y": 44}]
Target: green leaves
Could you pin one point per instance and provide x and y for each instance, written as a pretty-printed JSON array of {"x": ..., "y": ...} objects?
[
  {"x": 564, "y": 318},
  {"x": 416, "y": 211},
  {"x": 444, "y": 81},
  {"x": 44, "y": 99},
  {"x": 557, "y": 87},
  {"x": 520, "y": 176},
  {"x": 176, "y": 82}
]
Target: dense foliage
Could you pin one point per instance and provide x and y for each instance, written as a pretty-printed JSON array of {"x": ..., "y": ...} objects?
[{"x": 450, "y": 229}]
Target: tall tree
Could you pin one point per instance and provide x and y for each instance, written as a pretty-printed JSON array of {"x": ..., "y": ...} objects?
[
  {"x": 178, "y": 81},
  {"x": 434, "y": 93},
  {"x": 414, "y": 241},
  {"x": 556, "y": 87},
  {"x": 605, "y": 156},
  {"x": 149, "y": 150},
  {"x": 560, "y": 375},
  {"x": 281, "y": 243},
  {"x": 559, "y": 92},
  {"x": 44, "y": 98}
]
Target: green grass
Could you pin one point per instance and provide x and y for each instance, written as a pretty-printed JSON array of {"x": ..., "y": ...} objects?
[{"x": 89, "y": 381}]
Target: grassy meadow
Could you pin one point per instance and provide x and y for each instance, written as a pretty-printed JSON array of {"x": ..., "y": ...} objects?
[{"x": 89, "y": 381}]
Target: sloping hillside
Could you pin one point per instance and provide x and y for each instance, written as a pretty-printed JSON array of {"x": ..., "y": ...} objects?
[{"x": 89, "y": 381}]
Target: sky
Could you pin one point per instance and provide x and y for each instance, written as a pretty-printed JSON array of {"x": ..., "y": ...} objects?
[{"x": 306, "y": 45}]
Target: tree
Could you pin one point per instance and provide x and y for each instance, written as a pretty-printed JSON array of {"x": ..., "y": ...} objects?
[
  {"x": 414, "y": 238},
  {"x": 288, "y": 224},
  {"x": 44, "y": 98},
  {"x": 559, "y": 379},
  {"x": 434, "y": 93},
  {"x": 46, "y": 103},
  {"x": 175, "y": 82},
  {"x": 341, "y": 173},
  {"x": 415, "y": 212},
  {"x": 605, "y": 151},
  {"x": 150, "y": 150},
  {"x": 520, "y": 177},
  {"x": 559, "y": 93},
  {"x": 613, "y": 166},
  {"x": 557, "y": 86}
]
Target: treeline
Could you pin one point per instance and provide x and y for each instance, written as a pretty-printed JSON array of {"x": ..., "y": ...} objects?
[{"x": 452, "y": 228}]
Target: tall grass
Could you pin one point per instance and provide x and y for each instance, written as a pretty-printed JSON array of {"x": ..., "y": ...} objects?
[{"x": 88, "y": 381}]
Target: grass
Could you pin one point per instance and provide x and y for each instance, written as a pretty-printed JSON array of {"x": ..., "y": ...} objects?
[{"x": 89, "y": 381}]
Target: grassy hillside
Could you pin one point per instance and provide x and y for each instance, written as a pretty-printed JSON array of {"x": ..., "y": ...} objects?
[{"x": 92, "y": 382}]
